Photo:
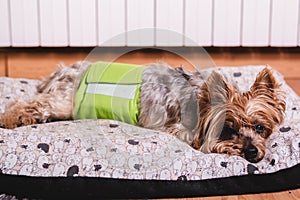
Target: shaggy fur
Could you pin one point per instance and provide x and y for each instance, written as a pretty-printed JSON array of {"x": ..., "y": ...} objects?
[{"x": 211, "y": 115}]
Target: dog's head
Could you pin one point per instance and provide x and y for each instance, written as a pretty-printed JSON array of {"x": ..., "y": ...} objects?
[{"x": 236, "y": 123}]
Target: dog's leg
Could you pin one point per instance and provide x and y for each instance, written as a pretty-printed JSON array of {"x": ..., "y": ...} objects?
[
  {"x": 180, "y": 132},
  {"x": 54, "y": 100},
  {"x": 43, "y": 108}
]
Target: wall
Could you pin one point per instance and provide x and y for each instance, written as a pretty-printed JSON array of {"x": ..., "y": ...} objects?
[
  {"x": 53, "y": 23},
  {"x": 39, "y": 63}
]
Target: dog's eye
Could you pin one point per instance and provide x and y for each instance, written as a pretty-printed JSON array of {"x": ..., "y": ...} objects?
[{"x": 259, "y": 128}]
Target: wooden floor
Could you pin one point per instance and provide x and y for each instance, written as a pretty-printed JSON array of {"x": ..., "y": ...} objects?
[
  {"x": 37, "y": 63},
  {"x": 285, "y": 195}
]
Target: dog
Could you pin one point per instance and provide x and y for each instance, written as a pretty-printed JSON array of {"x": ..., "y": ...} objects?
[{"x": 210, "y": 115}]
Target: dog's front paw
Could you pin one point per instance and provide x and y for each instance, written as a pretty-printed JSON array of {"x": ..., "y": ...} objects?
[
  {"x": 13, "y": 118},
  {"x": 11, "y": 121}
]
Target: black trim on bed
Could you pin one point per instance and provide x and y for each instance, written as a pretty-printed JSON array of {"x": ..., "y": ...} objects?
[{"x": 96, "y": 188}]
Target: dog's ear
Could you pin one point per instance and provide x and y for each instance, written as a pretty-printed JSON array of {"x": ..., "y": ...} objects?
[
  {"x": 266, "y": 87},
  {"x": 265, "y": 80},
  {"x": 214, "y": 96},
  {"x": 216, "y": 90}
]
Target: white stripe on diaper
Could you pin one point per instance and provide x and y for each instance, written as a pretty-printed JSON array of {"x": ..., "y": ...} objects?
[{"x": 126, "y": 91}]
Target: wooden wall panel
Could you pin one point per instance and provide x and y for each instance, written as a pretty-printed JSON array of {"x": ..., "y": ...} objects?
[
  {"x": 53, "y": 23},
  {"x": 227, "y": 23},
  {"x": 169, "y": 23},
  {"x": 294, "y": 84},
  {"x": 146, "y": 58},
  {"x": 290, "y": 195},
  {"x": 38, "y": 65},
  {"x": 2, "y": 64},
  {"x": 286, "y": 63}
]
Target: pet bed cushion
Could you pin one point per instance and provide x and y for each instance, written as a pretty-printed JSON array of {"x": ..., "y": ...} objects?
[{"x": 106, "y": 158}]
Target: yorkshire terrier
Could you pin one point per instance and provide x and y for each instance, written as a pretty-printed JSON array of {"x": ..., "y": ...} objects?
[{"x": 210, "y": 115}]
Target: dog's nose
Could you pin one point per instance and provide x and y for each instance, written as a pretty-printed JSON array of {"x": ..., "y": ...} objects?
[{"x": 250, "y": 153}]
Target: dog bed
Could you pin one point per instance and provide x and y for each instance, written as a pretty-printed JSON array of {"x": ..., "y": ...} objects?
[{"x": 110, "y": 159}]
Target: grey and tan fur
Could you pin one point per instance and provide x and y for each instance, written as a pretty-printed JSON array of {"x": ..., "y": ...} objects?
[{"x": 210, "y": 115}]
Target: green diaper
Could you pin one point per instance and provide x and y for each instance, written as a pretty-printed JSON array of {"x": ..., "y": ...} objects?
[{"x": 110, "y": 91}]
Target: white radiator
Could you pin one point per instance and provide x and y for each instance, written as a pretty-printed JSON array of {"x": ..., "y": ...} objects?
[{"x": 52, "y": 23}]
